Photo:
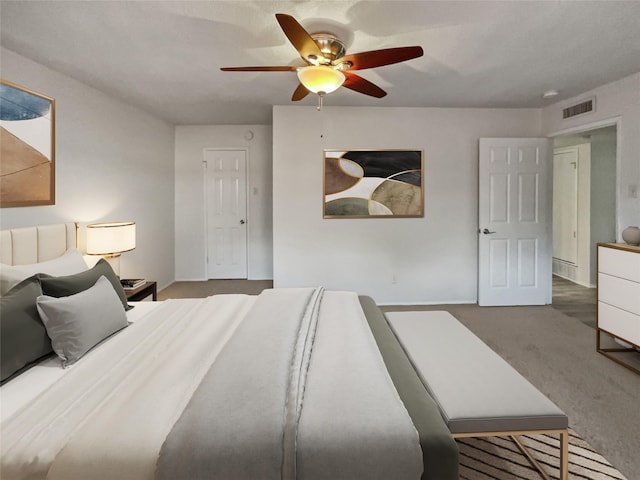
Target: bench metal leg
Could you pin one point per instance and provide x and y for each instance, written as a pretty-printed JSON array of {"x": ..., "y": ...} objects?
[
  {"x": 532, "y": 460},
  {"x": 564, "y": 448},
  {"x": 564, "y": 455}
]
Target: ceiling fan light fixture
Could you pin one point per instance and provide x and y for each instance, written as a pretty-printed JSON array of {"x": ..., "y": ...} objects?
[{"x": 321, "y": 79}]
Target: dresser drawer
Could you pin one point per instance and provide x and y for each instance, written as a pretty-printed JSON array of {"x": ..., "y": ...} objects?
[
  {"x": 619, "y": 263},
  {"x": 620, "y": 293},
  {"x": 620, "y": 323}
]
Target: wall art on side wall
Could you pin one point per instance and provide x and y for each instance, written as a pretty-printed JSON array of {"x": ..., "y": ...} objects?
[
  {"x": 373, "y": 183},
  {"x": 27, "y": 147}
]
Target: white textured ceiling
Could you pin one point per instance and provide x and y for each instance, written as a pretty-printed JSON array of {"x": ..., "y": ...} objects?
[{"x": 165, "y": 56}]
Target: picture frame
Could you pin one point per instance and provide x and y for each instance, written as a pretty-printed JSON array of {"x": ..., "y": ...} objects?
[
  {"x": 27, "y": 147},
  {"x": 361, "y": 183}
]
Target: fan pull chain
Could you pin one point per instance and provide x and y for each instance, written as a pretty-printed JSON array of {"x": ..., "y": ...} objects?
[{"x": 321, "y": 118}]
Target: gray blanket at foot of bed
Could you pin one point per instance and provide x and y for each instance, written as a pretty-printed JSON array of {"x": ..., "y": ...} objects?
[{"x": 299, "y": 391}]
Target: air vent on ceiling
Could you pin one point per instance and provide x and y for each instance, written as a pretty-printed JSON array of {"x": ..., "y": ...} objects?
[{"x": 581, "y": 108}]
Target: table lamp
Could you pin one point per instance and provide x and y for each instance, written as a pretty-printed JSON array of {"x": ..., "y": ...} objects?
[{"x": 110, "y": 240}]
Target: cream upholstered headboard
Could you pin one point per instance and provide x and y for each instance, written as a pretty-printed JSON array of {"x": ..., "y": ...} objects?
[{"x": 20, "y": 246}]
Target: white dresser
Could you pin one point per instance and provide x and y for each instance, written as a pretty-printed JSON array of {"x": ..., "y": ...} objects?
[{"x": 619, "y": 299}]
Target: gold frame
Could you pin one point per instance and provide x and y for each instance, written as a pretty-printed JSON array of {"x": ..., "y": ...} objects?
[
  {"x": 564, "y": 447},
  {"x": 385, "y": 155},
  {"x": 49, "y": 196}
]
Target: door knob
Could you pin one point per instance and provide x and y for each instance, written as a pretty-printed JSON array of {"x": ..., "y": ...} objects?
[
  {"x": 241, "y": 222},
  {"x": 487, "y": 232}
]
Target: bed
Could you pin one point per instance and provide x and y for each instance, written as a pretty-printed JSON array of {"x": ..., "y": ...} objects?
[{"x": 292, "y": 383}]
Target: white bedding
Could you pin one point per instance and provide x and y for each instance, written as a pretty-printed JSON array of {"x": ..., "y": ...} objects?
[
  {"x": 27, "y": 386},
  {"x": 174, "y": 346},
  {"x": 108, "y": 416}
]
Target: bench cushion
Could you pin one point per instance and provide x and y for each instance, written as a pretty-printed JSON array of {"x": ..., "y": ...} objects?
[{"x": 476, "y": 390}]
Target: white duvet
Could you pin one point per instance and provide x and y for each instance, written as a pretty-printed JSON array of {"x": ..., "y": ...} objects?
[
  {"x": 27, "y": 386},
  {"x": 139, "y": 382}
]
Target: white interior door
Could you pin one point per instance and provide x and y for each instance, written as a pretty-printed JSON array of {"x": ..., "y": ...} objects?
[
  {"x": 514, "y": 247},
  {"x": 226, "y": 207},
  {"x": 565, "y": 204}
]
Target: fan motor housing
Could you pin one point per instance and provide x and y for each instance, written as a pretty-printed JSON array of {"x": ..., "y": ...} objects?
[{"x": 330, "y": 45}]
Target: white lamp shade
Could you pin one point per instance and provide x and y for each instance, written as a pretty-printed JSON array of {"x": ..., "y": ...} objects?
[
  {"x": 111, "y": 238},
  {"x": 321, "y": 79}
]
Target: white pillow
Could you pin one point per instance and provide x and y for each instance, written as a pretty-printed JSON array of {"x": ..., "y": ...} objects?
[
  {"x": 67, "y": 264},
  {"x": 79, "y": 322}
]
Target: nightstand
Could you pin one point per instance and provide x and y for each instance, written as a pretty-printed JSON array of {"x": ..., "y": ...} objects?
[{"x": 142, "y": 292}]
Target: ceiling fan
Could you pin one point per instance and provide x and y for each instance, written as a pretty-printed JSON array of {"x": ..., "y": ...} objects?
[{"x": 328, "y": 67}]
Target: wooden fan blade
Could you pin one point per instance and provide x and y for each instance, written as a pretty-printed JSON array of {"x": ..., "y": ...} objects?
[
  {"x": 287, "y": 68},
  {"x": 299, "y": 37},
  {"x": 361, "y": 85},
  {"x": 378, "y": 58},
  {"x": 299, "y": 93}
]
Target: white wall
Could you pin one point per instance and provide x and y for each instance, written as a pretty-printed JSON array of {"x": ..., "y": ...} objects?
[
  {"x": 190, "y": 141},
  {"x": 113, "y": 162},
  {"x": 603, "y": 192},
  {"x": 620, "y": 101},
  {"x": 432, "y": 259}
]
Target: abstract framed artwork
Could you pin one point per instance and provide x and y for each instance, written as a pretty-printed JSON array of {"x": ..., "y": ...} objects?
[
  {"x": 27, "y": 147},
  {"x": 373, "y": 184}
]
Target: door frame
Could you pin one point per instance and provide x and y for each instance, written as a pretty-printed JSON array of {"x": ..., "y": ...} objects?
[
  {"x": 576, "y": 185},
  {"x": 205, "y": 219},
  {"x": 585, "y": 128}
]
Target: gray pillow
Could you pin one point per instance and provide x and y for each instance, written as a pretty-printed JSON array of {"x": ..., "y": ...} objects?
[
  {"x": 72, "y": 284},
  {"x": 23, "y": 338},
  {"x": 79, "y": 322}
]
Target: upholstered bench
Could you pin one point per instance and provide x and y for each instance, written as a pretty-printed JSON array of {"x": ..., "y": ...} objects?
[{"x": 479, "y": 394}]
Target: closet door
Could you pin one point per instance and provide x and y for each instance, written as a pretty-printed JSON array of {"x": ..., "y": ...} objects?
[
  {"x": 226, "y": 213},
  {"x": 565, "y": 205}
]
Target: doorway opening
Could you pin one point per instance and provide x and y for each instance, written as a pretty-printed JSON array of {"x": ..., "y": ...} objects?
[{"x": 584, "y": 212}]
